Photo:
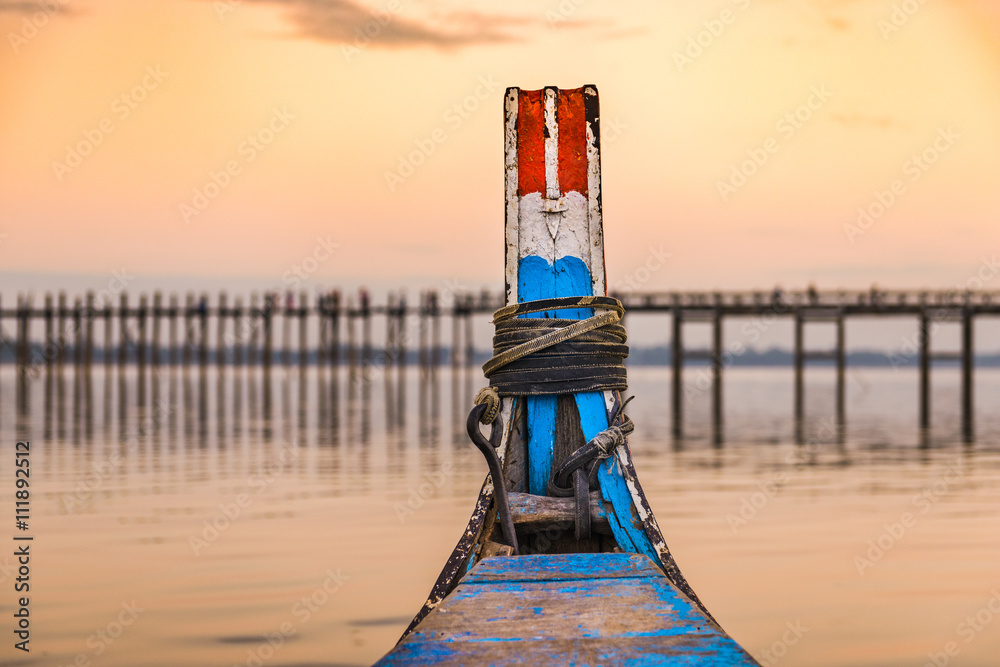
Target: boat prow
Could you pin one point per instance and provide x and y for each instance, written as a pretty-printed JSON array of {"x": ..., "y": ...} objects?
[{"x": 562, "y": 561}]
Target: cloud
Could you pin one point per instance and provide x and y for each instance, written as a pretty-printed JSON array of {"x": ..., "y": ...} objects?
[
  {"x": 344, "y": 21},
  {"x": 24, "y": 7}
]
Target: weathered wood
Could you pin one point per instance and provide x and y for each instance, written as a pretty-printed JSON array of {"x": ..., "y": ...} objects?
[
  {"x": 123, "y": 329},
  {"x": 533, "y": 513},
  {"x": 494, "y": 549},
  {"x": 220, "y": 331},
  {"x": 925, "y": 370},
  {"x": 841, "y": 364},
  {"x": 583, "y": 609},
  {"x": 88, "y": 356},
  {"x": 157, "y": 316},
  {"x": 967, "y": 365},
  {"x": 677, "y": 378},
  {"x": 303, "y": 329}
]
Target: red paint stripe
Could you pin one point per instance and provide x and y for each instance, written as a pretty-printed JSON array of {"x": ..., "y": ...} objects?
[
  {"x": 530, "y": 142},
  {"x": 572, "y": 142}
]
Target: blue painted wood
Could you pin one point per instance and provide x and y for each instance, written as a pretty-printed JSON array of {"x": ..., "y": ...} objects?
[
  {"x": 579, "y": 609},
  {"x": 537, "y": 279}
]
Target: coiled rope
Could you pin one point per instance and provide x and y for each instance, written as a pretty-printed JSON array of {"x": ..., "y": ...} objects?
[{"x": 544, "y": 355}]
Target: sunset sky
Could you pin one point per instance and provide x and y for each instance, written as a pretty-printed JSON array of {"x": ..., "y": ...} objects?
[{"x": 115, "y": 115}]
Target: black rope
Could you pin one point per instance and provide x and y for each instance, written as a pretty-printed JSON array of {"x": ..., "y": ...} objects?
[
  {"x": 578, "y": 473},
  {"x": 544, "y": 355}
]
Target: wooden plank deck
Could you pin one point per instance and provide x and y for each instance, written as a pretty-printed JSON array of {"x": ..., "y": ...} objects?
[{"x": 567, "y": 609}]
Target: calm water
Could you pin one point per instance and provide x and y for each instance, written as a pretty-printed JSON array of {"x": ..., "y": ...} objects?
[{"x": 302, "y": 520}]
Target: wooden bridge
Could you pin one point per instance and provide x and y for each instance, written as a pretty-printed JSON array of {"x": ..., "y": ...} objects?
[{"x": 157, "y": 331}]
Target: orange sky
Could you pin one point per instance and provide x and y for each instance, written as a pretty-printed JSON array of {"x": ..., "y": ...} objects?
[{"x": 333, "y": 116}]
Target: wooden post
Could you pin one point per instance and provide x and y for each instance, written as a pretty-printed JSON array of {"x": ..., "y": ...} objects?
[
  {"x": 157, "y": 314},
  {"x": 22, "y": 343},
  {"x": 424, "y": 312},
  {"x": 717, "y": 373},
  {"x": 677, "y": 363},
  {"x": 470, "y": 351},
  {"x": 239, "y": 338},
  {"x": 61, "y": 329},
  {"x": 88, "y": 356},
  {"x": 51, "y": 345},
  {"x": 269, "y": 307},
  {"x": 968, "y": 360},
  {"x": 203, "y": 334},
  {"x": 252, "y": 344},
  {"x": 435, "y": 314},
  {"x": 456, "y": 331},
  {"x": 77, "y": 333},
  {"x": 841, "y": 363},
  {"x": 335, "y": 327},
  {"x": 303, "y": 330},
  {"x": 366, "y": 328},
  {"x": 122, "y": 328},
  {"x": 141, "y": 319},
  {"x": 286, "y": 328},
  {"x": 799, "y": 368},
  {"x": 925, "y": 370},
  {"x": 108, "y": 337},
  {"x": 400, "y": 351},
  {"x": 322, "y": 303},
  {"x": 351, "y": 347},
  {"x": 172, "y": 315},
  {"x": 220, "y": 330},
  {"x": 188, "y": 329},
  {"x": 389, "y": 351}
]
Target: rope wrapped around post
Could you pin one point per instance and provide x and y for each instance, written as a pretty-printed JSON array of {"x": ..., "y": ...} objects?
[
  {"x": 543, "y": 355},
  {"x": 578, "y": 473}
]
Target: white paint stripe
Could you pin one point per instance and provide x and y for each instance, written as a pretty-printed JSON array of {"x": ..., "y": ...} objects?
[
  {"x": 511, "y": 235},
  {"x": 597, "y": 272},
  {"x": 551, "y": 146}
]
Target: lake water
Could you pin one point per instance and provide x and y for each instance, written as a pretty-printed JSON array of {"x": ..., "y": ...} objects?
[{"x": 207, "y": 518}]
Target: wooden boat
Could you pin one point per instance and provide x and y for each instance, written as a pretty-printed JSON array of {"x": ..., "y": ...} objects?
[{"x": 562, "y": 561}]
